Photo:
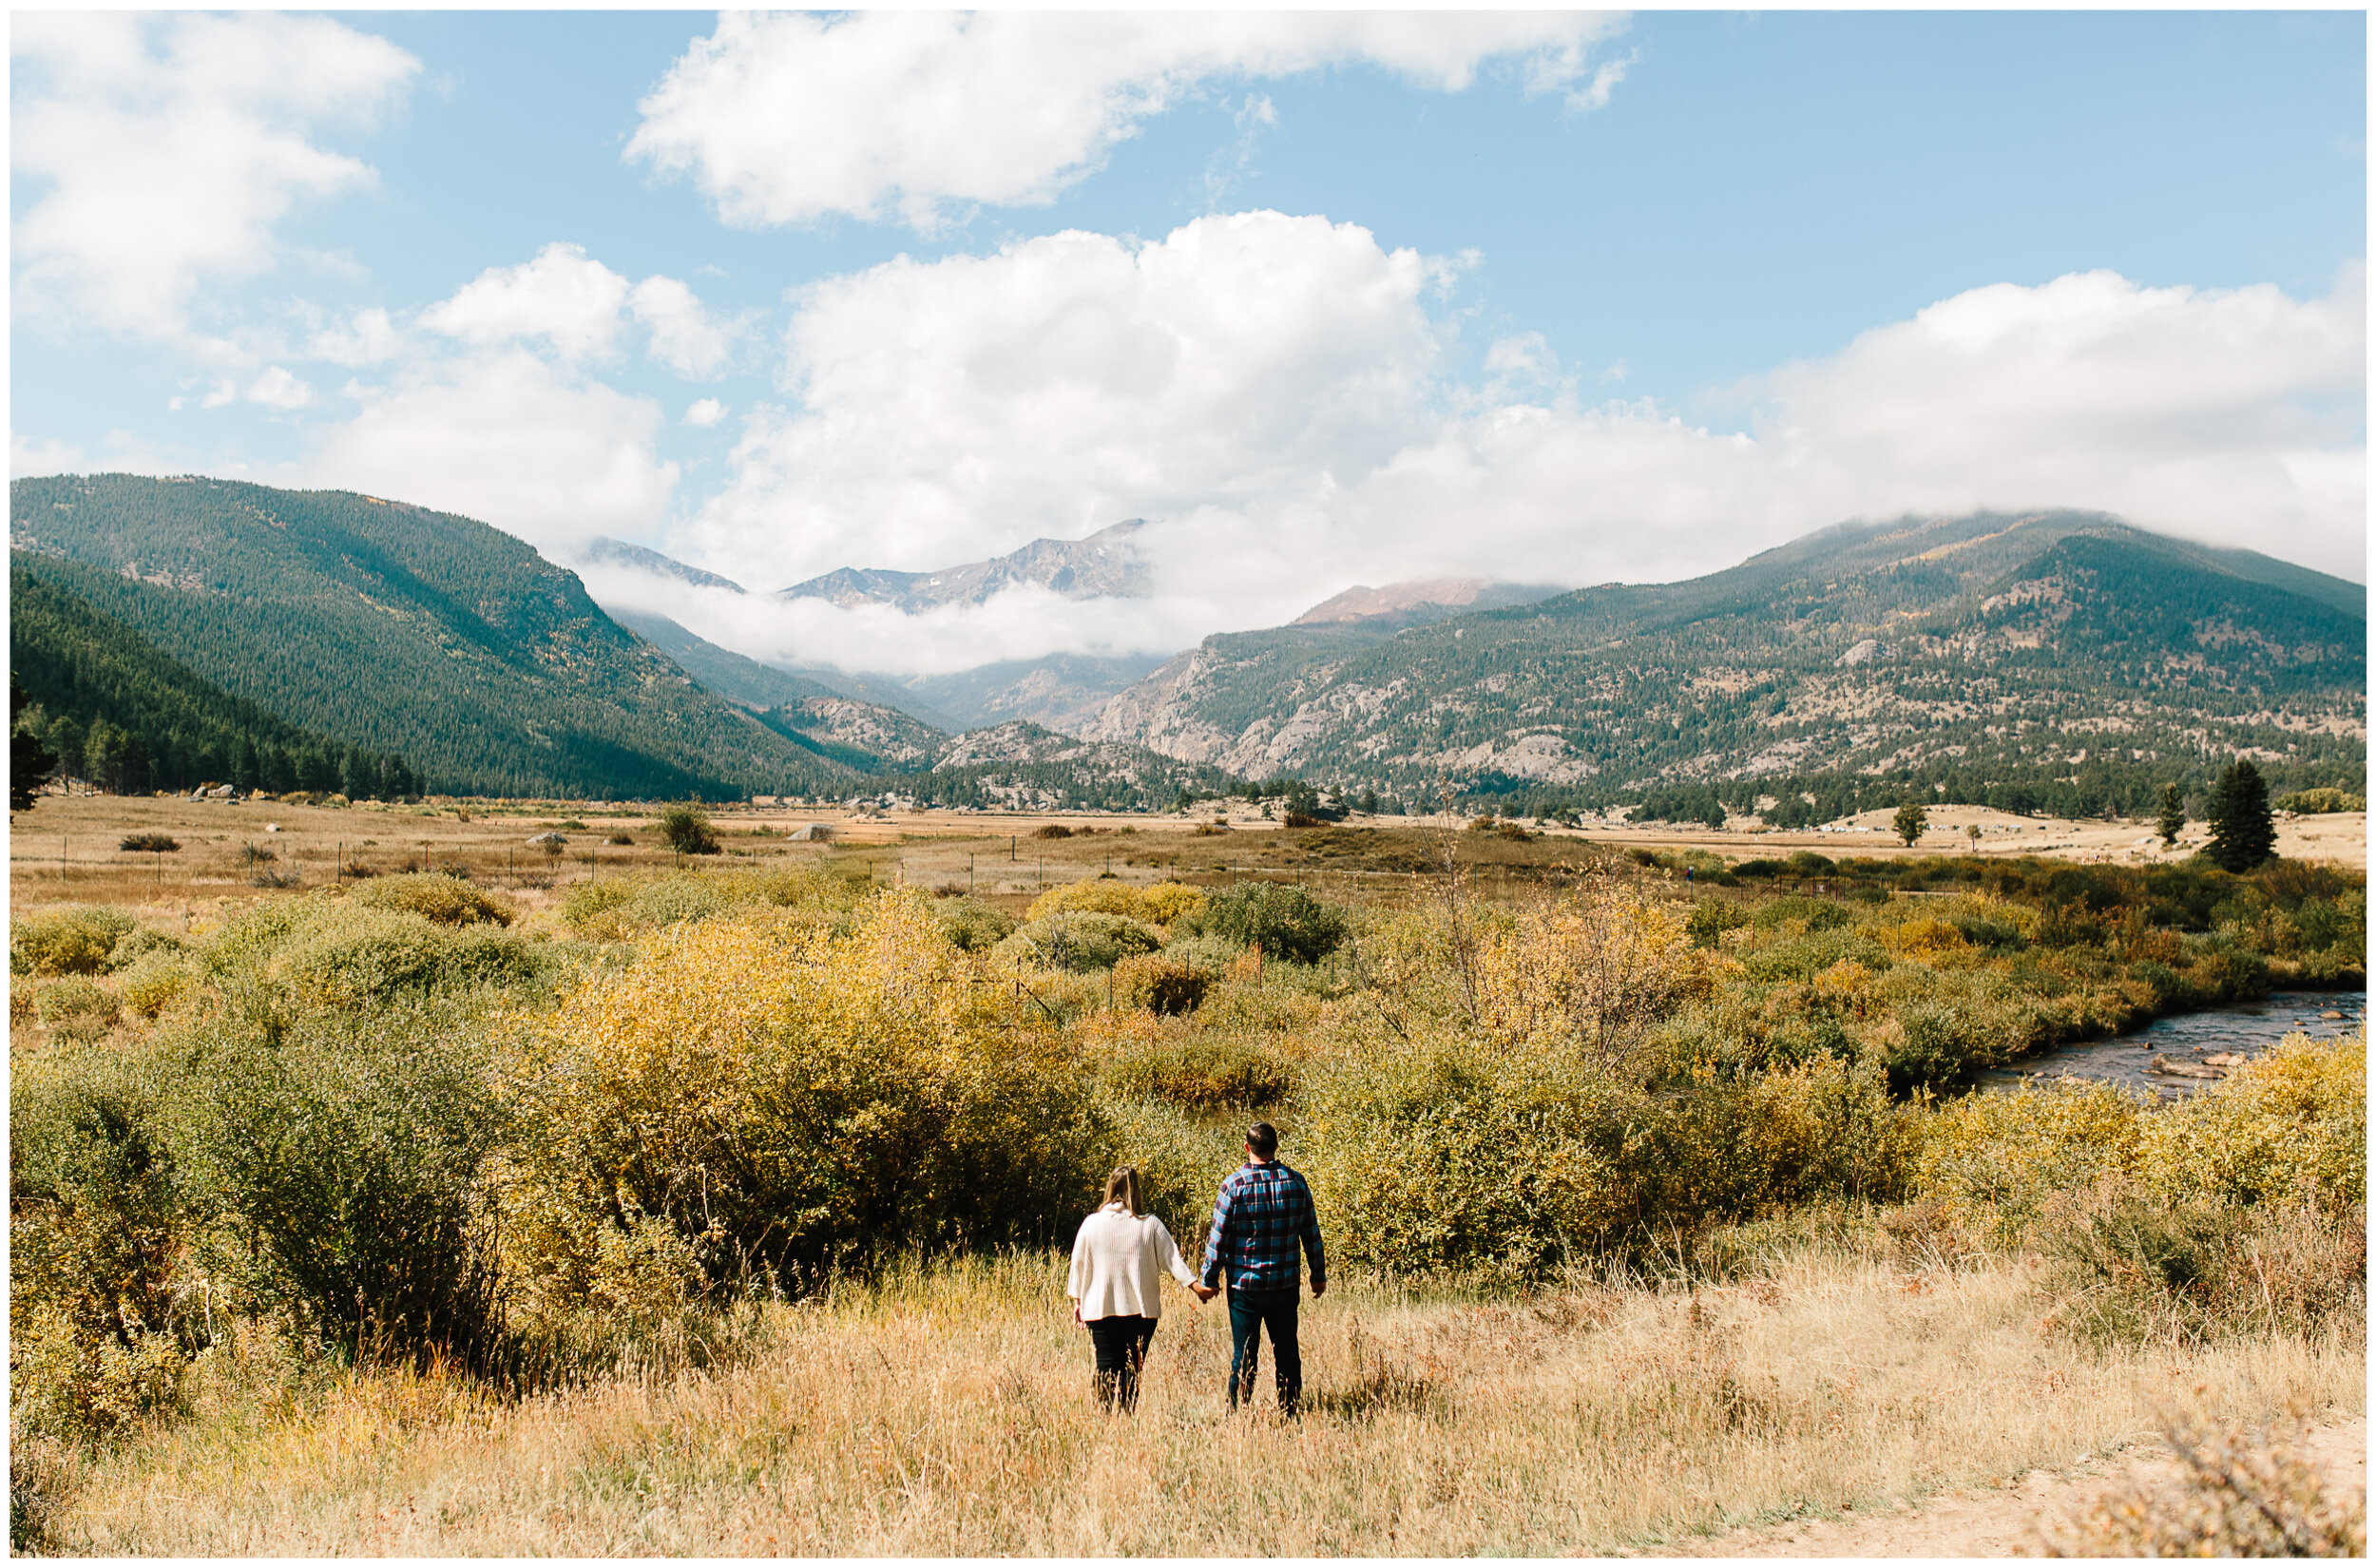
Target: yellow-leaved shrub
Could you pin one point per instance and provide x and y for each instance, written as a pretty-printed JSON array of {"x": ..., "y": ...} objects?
[
  {"x": 1159, "y": 905},
  {"x": 2291, "y": 1126},
  {"x": 785, "y": 1099}
]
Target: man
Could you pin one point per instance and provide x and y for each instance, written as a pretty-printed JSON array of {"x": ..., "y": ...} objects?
[{"x": 1262, "y": 1224}]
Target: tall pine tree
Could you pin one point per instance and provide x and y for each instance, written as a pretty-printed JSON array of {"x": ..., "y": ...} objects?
[{"x": 2243, "y": 833}]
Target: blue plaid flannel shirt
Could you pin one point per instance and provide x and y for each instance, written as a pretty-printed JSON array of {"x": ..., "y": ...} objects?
[{"x": 1260, "y": 1220}]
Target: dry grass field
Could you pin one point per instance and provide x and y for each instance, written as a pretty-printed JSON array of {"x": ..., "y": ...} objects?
[{"x": 949, "y": 1414}]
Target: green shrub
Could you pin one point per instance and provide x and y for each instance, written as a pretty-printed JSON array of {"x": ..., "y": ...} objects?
[
  {"x": 686, "y": 830},
  {"x": 972, "y": 926},
  {"x": 445, "y": 900},
  {"x": 349, "y": 958},
  {"x": 76, "y": 1007},
  {"x": 1081, "y": 941},
  {"x": 148, "y": 843},
  {"x": 1281, "y": 919},
  {"x": 1803, "y": 958},
  {"x": 1711, "y": 918},
  {"x": 69, "y": 940},
  {"x": 141, "y": 942},
  {"x": 1201, "y": 1074},
  {"x": 348, "y": 1157},
  {"x": 96, "y": 1232}
]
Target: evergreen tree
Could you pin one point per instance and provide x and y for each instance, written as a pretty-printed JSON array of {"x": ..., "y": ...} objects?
[
  {"x": 2243, "y": 833},
  {"x": 1913, "y": 820},
  {"x": 31, "y": 763},
  {"x": 2173, "y": 818}
]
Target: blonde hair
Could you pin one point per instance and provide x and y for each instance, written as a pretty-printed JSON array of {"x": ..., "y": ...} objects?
[{"x": 1123, "y": 1188}]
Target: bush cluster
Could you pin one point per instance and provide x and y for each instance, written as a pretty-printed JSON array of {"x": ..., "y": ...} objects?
[{"x": 1281, "y": 919}]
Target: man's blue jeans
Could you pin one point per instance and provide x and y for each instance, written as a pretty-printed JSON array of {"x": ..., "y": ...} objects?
[{"x": 1249, "y": 1312}]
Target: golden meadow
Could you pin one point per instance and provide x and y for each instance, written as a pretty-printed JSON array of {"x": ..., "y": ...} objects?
[{"x": 722, "y": 1211}]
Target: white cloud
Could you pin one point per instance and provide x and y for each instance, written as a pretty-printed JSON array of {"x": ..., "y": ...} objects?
[
  {"x": 278, "y": 389},
  {"x": 561, "y": 296},
  {"x": 506, "y": 437},
  {"x": 28, "y": 457},
  {"x": 705, "y": 413},
  {"x": 784, "y": 119},
  {"x": 951, "y": 407},
  {"x": 1277, "y": 390},
  {"x": 684, "y": 336},
  {"x": 365, "y": 338},
  {"x": 165, "y": 148}
]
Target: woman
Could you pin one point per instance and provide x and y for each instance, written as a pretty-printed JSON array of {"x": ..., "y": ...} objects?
[{"x": 1117, "y": 1261}]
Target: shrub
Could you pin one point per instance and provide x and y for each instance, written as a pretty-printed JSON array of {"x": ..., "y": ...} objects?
[
  {"x": 159, "y": 980},
  {"x": 1819, "y": 914},
  {"x": 972, "y": 926},
  {"x": 95, "y": 1232},
  {"x": 2139, "y": 1270},
  {"x": 1203, "y": 1074},
  {"x": 1588, "y": 975},
  {"x": 1052, "y": 830},
  {"x": 348, "y": 1154},
  {"x": 70, "y": 940},
  {"x": 1162, "y": 903},
  {"x": 1281, "y": 919},
  {"x": 149, "y": 843},
  {"x": 1455, "y": 1157},
  {"x": 2293, "y": 1125},
  {"x": 2000, "y": 1160},
  {"x": 782, "y": 1107},
  {"x": 348, "y": 957},
  {"x": 616, "y": 908},
  {"x": 620, "y": 838},
  {"x": 1711, "y": 918},
  {"x": 76, "y": 1007},
  {"x": 686, "y": 830},
  {"x": 2236, "y": 1495},
  {"x": 1163, "y": 982},
  {"x": 1081, "y": 941},
  {"x": 434, "y": 896}
]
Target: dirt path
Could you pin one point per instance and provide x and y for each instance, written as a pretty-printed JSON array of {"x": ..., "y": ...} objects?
[{"x": 1974, "y": 1522}]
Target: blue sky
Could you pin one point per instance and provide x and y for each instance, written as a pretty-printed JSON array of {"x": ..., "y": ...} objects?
[{"x": 1623, "y": 297}]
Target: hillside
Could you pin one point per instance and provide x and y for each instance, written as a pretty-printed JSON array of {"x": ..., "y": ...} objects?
[
  {"x": 1024, "y": 765},
  {"x": 399, "y": 629},
  {"x": 1975, "y": 653},
  {"x": 119, "y": 713}
]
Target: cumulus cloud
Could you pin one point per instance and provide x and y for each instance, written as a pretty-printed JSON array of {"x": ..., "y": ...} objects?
[
  {"x": 784, "y": 119},
  {"x": 165, "y": 148},
  {"x": 505, "y": 436},
  {"x": 705, "y": 413},
  {"x": 1280, "y": 394},
  {"x": 561, "y": 296},
  {"x": 365, "y": 338},
  {"x": 684, "y": 336},
  {"x": 968, "y": 404}
]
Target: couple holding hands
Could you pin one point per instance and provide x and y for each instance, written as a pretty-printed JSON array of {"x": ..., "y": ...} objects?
[{"x": 1262, "y": 1224}]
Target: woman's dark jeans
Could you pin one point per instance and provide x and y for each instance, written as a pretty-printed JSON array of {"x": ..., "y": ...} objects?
[
  {"x": 1121, "y": 1348},
  {"x": 1249, "y": 1312}
]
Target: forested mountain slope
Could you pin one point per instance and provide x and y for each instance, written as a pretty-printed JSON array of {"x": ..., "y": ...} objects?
[
  {"x": 117, "y": 712},
  {"x": 399, "y": 629},
  {"x": 1986, "y": 649}
]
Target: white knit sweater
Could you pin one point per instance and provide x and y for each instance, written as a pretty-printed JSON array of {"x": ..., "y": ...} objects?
[{"x": 1118, "y": 1264}]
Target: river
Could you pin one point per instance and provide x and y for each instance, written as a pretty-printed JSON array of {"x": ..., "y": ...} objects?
[{"x": 2248, "y": 1030}]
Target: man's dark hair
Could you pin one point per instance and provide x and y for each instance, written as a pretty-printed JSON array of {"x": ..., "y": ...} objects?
[{"x": 1263, "y": 1139}]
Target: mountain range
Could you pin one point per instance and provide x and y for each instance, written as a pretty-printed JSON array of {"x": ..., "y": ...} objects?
[
  {"x": 1988, "y": 653},
  {"x": 1975, "y": 649}
]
